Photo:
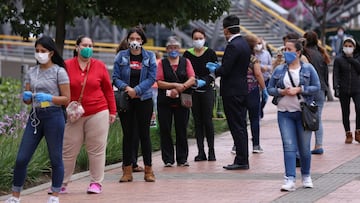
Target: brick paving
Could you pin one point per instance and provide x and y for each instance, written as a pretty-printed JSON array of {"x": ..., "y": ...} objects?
[{"x": 336, "y": 173}]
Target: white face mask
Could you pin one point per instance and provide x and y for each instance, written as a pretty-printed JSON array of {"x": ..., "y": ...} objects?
[
  {"x": 199, "y": 43},
  {"x": 258, "y": 47},
  {"x": 348, "y": 50},
  {"x": 42, "y": 58},
  {"x": 134, "y": 45}
]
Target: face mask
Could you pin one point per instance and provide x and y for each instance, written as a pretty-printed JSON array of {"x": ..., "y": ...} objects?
[
  {"x": 258, "y": 47},
  {"x": 134, "y": 45},
  {"x": 42, "y": 58},
  {"x": 289, "y": 56},
  {"x": 174, "y": 54},
  {"x": 86, "y": 52},
  {"x": 199, "y": 43},
  {"x": 348, "y": 50},
  {"x": 340, "y": 33}
]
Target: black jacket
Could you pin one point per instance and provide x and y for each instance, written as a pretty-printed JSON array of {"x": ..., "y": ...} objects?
[
  {"x": 346, "y": 74},
  {"x": 317, "y": 60}
]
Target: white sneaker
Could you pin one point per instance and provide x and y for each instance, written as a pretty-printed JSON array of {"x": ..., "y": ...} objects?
[
  {"x": 307, "y": 182},
  {"x": 53, "y": 199},
  {"x": 289, "y": 185},
  {"x": 12, "y": 199}
]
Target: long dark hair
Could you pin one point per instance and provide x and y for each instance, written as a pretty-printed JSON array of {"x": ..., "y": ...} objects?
[
  {"x": 312, "y": 40},
  {"x": 49, "y": 44}
]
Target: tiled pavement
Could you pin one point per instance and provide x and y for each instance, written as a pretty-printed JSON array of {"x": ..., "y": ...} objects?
[{"x": 336, "y": 173}]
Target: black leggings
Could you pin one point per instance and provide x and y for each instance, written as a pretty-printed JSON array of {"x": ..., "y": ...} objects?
[{"x": 345, "y": 109}]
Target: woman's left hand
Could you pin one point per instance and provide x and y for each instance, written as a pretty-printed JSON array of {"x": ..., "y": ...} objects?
[{"x": 112, "y": 118}]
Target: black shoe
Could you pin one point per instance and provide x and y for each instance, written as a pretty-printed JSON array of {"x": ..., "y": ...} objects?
[
  {"x": 236, "y": 167},
  {"x": 200, "y": 157},
  {"x": 211, "y": 156},
  {"x": 298, "y": 162}
]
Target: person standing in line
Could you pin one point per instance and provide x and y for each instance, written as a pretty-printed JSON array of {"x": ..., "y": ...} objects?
[
  {"x": 46, "y": 89},
  {"x": 124, "y": 45},
  {"x": 346, "y": 84},
  {"x": 175, "y": 75},
  {"x": 264, "y": 57},
  {"x": 319, "y": 58},
  {"x": 234, "y": 88},
  {"x": 92, "y": 128},
  {"x": 254, "y": 80},
  {"x": 203, "y": 97},
  {"x": 337, "y": 41},
  {"x": 294, "y": 82},
  {"x": 134, "y": 73}
]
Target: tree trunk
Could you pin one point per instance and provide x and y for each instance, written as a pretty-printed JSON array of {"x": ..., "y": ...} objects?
[{"x": 60, "y": 26}]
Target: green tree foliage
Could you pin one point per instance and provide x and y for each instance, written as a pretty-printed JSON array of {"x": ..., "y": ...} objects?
[
  {"x": 170, "y": 13},
  {"x": 30, "y": 16}
]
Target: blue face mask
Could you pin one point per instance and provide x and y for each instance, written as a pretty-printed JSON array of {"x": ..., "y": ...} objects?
[
  {"x": 174, "y": 54},
  {"x": 289, "y": 56},
  {"x": 86, "y": 52}
]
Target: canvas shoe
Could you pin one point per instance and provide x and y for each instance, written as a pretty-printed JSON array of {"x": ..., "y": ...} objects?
[
  {"x": 233, "y": 150},
  {"x": 62, "y": 190},
  {"x": 307, "y": 182},
  {"x": 289, "y": 185},
  {"x": 53, "y": 199},
  {"x": 257, "y": 149},
  {"x": 12, "y": 199},
  {"x": 94, "y": 188}
]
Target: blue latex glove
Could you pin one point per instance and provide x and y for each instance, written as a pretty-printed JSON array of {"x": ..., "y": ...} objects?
[
  {"x": 265, "y": 95},
  {"x": 27, "y": 95},
  {"x": 212, "y": 66},
  {"x": 200, "y": 83},
  {"x": 42, "y": 97}
]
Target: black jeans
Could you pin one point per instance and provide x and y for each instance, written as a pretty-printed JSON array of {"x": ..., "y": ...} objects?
[
  {"x": 202, "y": 109},
  {"x": 137, "y": 117},
  {"x": 253, "y": 107},
  {"x": 345, "y": 109},
  {"x": 235, "y": 112},
  {"x": 181, "y": 119}
]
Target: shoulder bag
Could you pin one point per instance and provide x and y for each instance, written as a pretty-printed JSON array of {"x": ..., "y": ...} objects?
[{"x": 75, "y": 110}]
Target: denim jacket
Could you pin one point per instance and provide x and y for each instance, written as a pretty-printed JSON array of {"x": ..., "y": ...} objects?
[
  {"x": 121, "y": 72},
  {"x": 309, "y": 81}
]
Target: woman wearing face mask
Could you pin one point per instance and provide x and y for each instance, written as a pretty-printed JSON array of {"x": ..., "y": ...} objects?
[
  {"x": 175, "y": 75},
  {"x": 203, "y": 97},
  {"x": 265, "y": 60},
  {"x": 293, "y": 82},
  {"x": 134, "y": 72},
  {"x": 100, "y": 110},
  {"x": 46, "y": 89},
  {"x": 346, "y": 84}
]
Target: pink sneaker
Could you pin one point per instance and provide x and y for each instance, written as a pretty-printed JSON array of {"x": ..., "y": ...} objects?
[
  {"x": 94, "y": 188},
  {"x": 62, "y": 190}
]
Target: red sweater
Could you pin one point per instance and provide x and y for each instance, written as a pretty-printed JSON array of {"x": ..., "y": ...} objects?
[{"x": 98, "y": 93}]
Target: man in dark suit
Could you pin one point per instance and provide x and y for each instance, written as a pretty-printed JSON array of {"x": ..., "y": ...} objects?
[{"x": 233, "y": 88}]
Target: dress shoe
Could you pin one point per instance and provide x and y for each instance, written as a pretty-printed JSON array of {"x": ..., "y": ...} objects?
[{"x": 236, "y": 167}]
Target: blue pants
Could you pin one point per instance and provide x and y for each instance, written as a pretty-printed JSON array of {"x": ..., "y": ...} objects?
[
  {"x": 294, "y": 137},
  {"x": 51, "y": 126}
]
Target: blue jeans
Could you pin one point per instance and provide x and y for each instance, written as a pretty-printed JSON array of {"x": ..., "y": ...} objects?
[
  {"x": 51, "y": 126},
  {"x": 320, "y": 100},
  {"x": 294, "y": 138}
]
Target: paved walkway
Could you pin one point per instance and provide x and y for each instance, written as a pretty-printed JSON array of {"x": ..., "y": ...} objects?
[{"x": 336, "y": 173}]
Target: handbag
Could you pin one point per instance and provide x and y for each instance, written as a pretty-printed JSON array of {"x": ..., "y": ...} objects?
[
  {"x": 309, "y": 112},
  {"x": 186, "y": 100},
  {"x": 310, "y": 116},
  {"x": 75, "y": 110},
  {"x": 122, "y": 100}
]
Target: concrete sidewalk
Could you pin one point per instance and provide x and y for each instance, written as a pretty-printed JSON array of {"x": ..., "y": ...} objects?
[{"x": 335, "y": 174}]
